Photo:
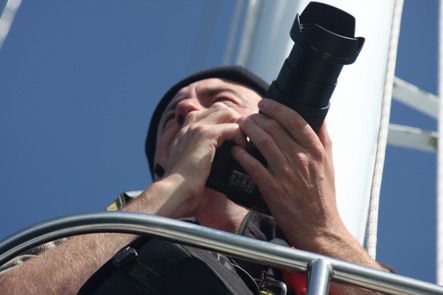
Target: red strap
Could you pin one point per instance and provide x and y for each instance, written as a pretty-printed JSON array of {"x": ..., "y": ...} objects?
[{"x": 296, "y": 281}]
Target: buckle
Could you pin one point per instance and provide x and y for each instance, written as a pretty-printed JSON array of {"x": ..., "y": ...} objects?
[{"x": 125, "y": 257}]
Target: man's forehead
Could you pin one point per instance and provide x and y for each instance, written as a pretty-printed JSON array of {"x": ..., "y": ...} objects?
[
  {"x": 208, "y": 83},
  {"x": 209, "y": 87},
  {"x": 190, "y": 90}
]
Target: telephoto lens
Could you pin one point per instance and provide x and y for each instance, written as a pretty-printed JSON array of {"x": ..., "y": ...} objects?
[{"x": 324, "y": 41}]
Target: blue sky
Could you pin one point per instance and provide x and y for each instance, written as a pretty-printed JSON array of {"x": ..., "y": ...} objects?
[{"x": 79, "y": 79}]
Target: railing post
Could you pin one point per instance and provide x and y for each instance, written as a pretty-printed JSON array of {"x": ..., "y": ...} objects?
[{"x": 319, "y": 276}]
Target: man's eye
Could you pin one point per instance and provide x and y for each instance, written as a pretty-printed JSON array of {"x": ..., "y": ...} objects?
[
  {"x": 225, "y": 100},
  {"x": 169, "y": 118}
]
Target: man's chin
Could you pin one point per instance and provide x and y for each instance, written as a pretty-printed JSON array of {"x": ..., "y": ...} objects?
[
  {"x": 209, "y": 192},
  {"x": 217, "y": 197}
]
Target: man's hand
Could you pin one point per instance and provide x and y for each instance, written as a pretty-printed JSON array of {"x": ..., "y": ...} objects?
[
  {"x": 192, "y": 151},
  {"x": 298, "y": 182}
]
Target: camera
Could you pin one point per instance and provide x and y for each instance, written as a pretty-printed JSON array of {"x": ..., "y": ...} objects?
[{"x": 324, "y": 41}]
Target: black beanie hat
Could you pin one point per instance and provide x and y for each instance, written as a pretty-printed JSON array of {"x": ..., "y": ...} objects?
[{"x": 236, "y": 73}]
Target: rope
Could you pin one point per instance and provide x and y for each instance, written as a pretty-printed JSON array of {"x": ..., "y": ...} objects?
[{"x": 371, "y": 232}]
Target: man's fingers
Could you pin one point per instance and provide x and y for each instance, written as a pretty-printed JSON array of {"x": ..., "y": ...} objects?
[
  {"x": 262, "y": 139},
  {"x": 290, "y": 120}
]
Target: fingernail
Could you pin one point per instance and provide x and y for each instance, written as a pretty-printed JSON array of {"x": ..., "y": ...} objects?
[{"x": 263, "y": 103}]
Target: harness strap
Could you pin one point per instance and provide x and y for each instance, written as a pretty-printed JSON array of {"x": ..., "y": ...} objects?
[{"x": 128, "y": 260}]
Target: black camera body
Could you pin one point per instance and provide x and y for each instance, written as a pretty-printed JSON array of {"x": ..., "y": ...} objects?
[{"x": 324, "y": 41}]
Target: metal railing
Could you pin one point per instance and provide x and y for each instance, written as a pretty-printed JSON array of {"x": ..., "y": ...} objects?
[{"x": 321, "y": 269}]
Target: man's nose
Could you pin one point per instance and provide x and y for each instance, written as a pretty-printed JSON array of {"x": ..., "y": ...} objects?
[{"x": 184, "y": 107}]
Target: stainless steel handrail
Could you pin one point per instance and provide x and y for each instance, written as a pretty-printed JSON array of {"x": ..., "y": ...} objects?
[{"x": 322, "y": 271}]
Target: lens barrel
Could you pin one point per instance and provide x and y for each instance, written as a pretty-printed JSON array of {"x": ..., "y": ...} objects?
[{"x": 324, "y": 41}]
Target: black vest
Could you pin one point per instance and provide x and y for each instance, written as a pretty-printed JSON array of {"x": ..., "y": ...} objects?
[{"x": 156, "y": 266}]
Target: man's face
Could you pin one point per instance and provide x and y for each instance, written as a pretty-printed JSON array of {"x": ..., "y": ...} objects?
[{"x": 200, "y": 95}]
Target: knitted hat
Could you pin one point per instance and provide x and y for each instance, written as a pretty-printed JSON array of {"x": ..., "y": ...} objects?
[{"x": 237, "y": 74}]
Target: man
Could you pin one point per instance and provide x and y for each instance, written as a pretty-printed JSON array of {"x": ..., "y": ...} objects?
[{"x": 191, "y": 121}]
